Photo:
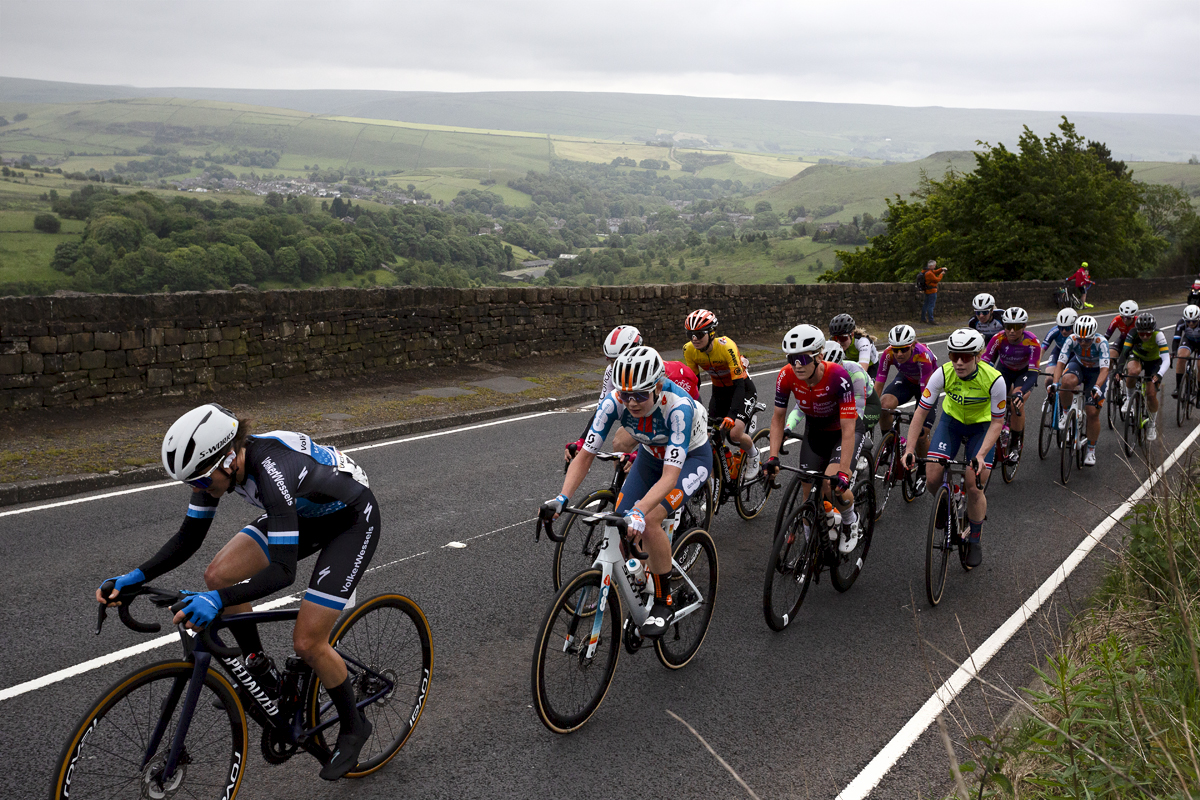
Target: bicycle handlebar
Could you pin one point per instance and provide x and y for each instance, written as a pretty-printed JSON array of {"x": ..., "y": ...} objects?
[
  {"x": 163, "y": 599},
  {"x": 545, "y": 521},
  {"x": 956, "y": 461}
]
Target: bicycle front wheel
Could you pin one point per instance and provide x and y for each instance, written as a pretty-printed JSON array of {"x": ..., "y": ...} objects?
[
  {"x": 1046, "y": 431},
  {"x": 1181, "y": 404},
  {"x": 1113, "y": 400},
  {"x": 1008, "y": 469},
  {"x": 938, "y": 545},
  {"x": 886, "y": 467},
  {"x": 1132, "y": 425},
  {"x": 390, "y": 636},
  {"x": 695, "y": 556},
  {"x": 581, "y": 540},
  {"x": 104, "y": 757},
  {"x": 697, "y": 513},
  {"x": 790, "y": 568},
  {"x": 787, "y": 504},
  {"x": 1066, "y": 456},
  {"x": 753, "y": 489},
  {"x": 850, "y": 564},
  {"x": 568, "y": 685}
]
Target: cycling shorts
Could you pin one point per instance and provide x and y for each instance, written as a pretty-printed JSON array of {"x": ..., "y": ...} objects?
[
  {"x": 1087, "y": 379},
  {"x": 871, "y": 411},
  {"x": 345, "y": 539},
  {"x": 951, "y": 433},
  {"x": 1025, "y": 378},
  {"x": 904, "y": 390},
  {"x": 722, "y": 398},
  {"x": 821, "y": 448},
  {"x": 647, "y": 470}
]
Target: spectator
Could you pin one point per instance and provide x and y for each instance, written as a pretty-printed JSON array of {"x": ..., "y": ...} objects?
[
  {"x": 1083, "y": 281},
  {"x": 933, "y": 277}
]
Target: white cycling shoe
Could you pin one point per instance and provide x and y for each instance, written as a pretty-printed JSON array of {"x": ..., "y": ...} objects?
[
  {"x": 849, "y": 538},
  {"x": 1089, "y": 458},
  {"x": 1151, "y": 431},
  {"x": 753, "y": 464}
]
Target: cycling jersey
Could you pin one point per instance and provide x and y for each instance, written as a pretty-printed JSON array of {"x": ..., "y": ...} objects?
[
  {"x": 861, "y": 350},
  {"x": 826, "y": 404},
  {"x": 1091, "y": 353},
  {"x": 1188, "y": 336},
  {"x": 1148, "y": 351},
  {"x": 862, "y": 384},
  {"x": 682, "y": 376},
  {"x": 988, "y": 329},
  {"x": 979, "y": 398},
  {"x": 1122, "y": 327},
  {"x": 723, "y": 362},
  {"x": 1026, "y": 354},
  {"x": 917, "y": 369},
  {"x": 1053, "y": 343},
  {"x": 676, "y": 426}
]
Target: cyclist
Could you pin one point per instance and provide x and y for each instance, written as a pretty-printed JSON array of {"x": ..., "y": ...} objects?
[
  {"x": 1147, "y": 346},
  {"x": 1057, "y": 336},
  {"x": 914, "y": 364},
  {"x": 1194, "y": 294},
  {"x": 1017, "y": 354},
  {"x": 1120, "y": 328},
  {"x": 733, "y": 393},
  {"x": 316, "y": 501},
  {"x": 1083, "y": 363},
  {"x": 1186, "y": 342},
  {"x": 972, "y": 414},
  {"x": 1083, "y": 281},
  {"x": 856, "y": 343},
  {"x": 865, "y": 400},
  {"x": 985, "y": 319},
  {"x": 824, "y": 393},
  {"x": 674, "y": 460}
]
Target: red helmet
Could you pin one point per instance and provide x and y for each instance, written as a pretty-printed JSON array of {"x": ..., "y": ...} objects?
[{"x": 701, "y": 321}]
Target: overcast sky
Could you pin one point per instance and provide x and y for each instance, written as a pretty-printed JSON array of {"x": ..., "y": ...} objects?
[{"x": 1052, "y": 55}]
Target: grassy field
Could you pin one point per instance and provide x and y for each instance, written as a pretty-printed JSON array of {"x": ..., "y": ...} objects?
[
  {"x": 1183, "y": 176},
  {"x": 446, "y": 184},
  {"x": 25, "y": 253}
]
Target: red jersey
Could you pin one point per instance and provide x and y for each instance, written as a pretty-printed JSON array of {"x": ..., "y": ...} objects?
[
  {"x": 683, "y": 377},
  {"x": 1124, "y": 326},
  {"x": 1081, "y": 277},
  {"x": 826, "y": 404}
]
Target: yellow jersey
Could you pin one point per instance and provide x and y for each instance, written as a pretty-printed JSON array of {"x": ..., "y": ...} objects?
[{"x": 723, "y": 362}]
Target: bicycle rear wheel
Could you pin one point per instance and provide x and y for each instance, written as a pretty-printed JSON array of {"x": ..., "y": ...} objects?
[
  {"x": 103, "y": 757},
  {"x": 1066, "y": 456},
  {"x": 849, "y": 565},
  {"x": 1113, "y": 399},
  {"x": 752, "y": 489},
  {"x": 581, "y": 540},
  {"x": 938, "y": 545},
  {"x": 568, "y": 686},
  {"x": 886, "y": 468},
  {"x": 696, "y": 556},
  {"x": 390, "y": 636},
  {"x": 790, "y": 568},
  {"x": 697, "y": 513}
]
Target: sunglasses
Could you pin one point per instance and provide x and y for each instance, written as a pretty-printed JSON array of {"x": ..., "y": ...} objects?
[
  {"x": 633, "y": 397},
  {"x": 800, "y": 359},
  {"x": 1014, "y": 328},
  {"x": 697, "y": 334},
  {"x": 983, "y": 313},
  {"x": 961, "y": 356},
  {"x": 205, "y": 481},
  {"x": 899, "y": 349}
]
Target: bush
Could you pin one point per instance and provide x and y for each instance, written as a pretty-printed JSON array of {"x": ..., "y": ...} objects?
[{"x": 47, "y": 223}]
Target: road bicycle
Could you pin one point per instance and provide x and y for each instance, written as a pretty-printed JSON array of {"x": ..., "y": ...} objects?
[
  {"x": 1009, "y": 458},
  {"x": 1064, "y": 297},
  {"x": 1073, "y": 446},
  {"x": 1137, "y": 416},
  {"x": 1115, "y": 396},
  {"x": 888, "y": 464},
  {"x": 1189, "y": 391},
  {"x": 577, "y": 545},
  {"x": 806, "y": 544},
  {"x": 178, "y": 728},
  {"x": 1048, "y": 431},
  {"x": 748, "y": 489},
  {"x": 580, "y": 641},
  {"x": 864, "y": 466},
  {"x": 948, "y": 526}
]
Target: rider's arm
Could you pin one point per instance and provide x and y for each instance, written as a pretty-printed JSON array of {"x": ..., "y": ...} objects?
[
  {"x": 1164, "y": 353},
  {"x": 848, "y": 412},
  {"x": 992, "y": 351},
  {"x": 778, "y": 420},
  {"x": 187, "y": 540},
  {"x": 885, "y": 364},
  {"x": 864, "y": 351},
  {"x": 1178, "y": 337},
  {"x": 783, "y": 393}
]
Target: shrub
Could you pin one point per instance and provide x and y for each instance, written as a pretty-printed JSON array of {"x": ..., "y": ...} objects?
[{"x": 47, "y": 223}]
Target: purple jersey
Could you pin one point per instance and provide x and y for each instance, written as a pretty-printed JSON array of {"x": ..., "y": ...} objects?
[
  {"x": 1001, "y": 352},
  {"x": 916, "y": 370}
]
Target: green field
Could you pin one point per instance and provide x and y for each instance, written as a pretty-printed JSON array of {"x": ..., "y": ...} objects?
[{"x": 25, "y": 253}]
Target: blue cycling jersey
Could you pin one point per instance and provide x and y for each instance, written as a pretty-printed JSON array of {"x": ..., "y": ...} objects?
[
  {"x": 1052, "y": 345},
  {"x": 1090, "y": 352},
  {"x": 676, "y": 426}
]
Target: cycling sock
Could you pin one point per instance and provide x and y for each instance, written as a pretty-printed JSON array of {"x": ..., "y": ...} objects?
[
  {"x": 246, "y": 636},
  {"x": 850, "y": 516},
  {"x": 662, "y": 592},
  {"x": 752, "y": 452},
  {"x": 344, "y": 701},
  {"x": 976, "y": 531}
]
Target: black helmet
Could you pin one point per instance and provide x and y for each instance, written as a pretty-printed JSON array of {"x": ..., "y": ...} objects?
[
  {"x": 1145, "y": 322},
  {"x": 841, "y": 325}
]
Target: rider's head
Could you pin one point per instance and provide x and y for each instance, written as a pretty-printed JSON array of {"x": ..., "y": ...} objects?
[
  {"x": 1146, "y": 324},
  {"x": 700, "y": 325},
  {"x": 984, "y": 304},
  {"x": 1014, "y": 320},
  {"x": 200, "y": 442},
  {"x": 964, "y": 346},
  {"x": 638, "y": 374},
  {"x": 1066, "y": 319},
  {"x": 620, "y": 339},
  {"x": 1085, "y": 326},
  {"x": 803, "y": 346},
  {"x": 1191, "y": 315},
  {"x": 841, "y": 327},
  {"x": 901, "y": 339},
  {"x": 1128, "y": 310},
  {"x": 833, "y": 353}
]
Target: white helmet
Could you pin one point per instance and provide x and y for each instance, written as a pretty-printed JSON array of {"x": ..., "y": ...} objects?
[
  {"x": 621, "y": 339},
  {"x": 803, "y": 339},
  {"x": 983, "y": 302},
  {"x": 1085, "y": 325},
  {"x": 1128, "y": 309},
  {"x": 832, "y": 351},
  {"x": 1015, "y": 316},
  {"x": 965, "y": 340},
  {"x": 1066, "y": 318},
  {"x": 1191, "y": 313},
  {"x": 638, "y": 369},
  {"x": 902, "y": 336},
  {"x": 197, "y": 441}
]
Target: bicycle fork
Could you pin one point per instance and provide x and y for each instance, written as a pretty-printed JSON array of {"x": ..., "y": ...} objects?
[{"x": 194, "y": 685}]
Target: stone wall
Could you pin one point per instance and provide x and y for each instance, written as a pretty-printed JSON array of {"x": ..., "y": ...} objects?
[{"x": 80, "y": 350}]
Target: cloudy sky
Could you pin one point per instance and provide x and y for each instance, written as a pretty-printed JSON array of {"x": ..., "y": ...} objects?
[{"x": 1052, "y": 55}]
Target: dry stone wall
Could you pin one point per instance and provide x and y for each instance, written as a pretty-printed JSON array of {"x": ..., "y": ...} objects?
[{"x": 80, "y": 350}]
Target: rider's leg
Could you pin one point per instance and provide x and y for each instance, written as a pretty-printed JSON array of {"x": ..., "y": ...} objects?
[
  {"x": 244, "y": 556},
  {"x": 889, "y": 403},
  {"x": 655, "y": 542},
  {"x": 1070, "y": 382},
  {"x": 1093, "y": 424},
  {"x": 1180, "y": 362},
  {"x": 1151, "y": 398},
  {"x": 738, "y": 435}
]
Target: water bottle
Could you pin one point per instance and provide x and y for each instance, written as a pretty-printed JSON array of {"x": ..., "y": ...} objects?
[
  {"x": 637, "y": 573},
  {"x": 289, "y": 682},
  {"x": 833, "y": 521},
  {"x": 265, "y": 675}
]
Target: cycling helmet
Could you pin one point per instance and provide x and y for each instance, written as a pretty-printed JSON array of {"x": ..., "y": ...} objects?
[
  {"x": 965, "y": 340},
  {"x": 701, "y": 321},
  {"x": 983, "y": 302},
  {"x": 1066, "y": 318},
  {"x": 841, "y": 325},
  {"x": 1145, "y": 322},
  {"x": 197, "y": 441},
  {"x": 621, "y": 339},
  {"x": 638, "y": 369},
  {"x": 1084, "y": 265},
  {"x": 1128, "y": 309},
  {"x": 803, "y": 339},
  {"x": 1191, "y": 313},
  {"x": 832, "y": 351},
  {"x": 1015, "y": 316},
  {"x": 1196, "y": 286},
  {"x": 1085, "y": 326},
  {"x": 902, "y": 336}
]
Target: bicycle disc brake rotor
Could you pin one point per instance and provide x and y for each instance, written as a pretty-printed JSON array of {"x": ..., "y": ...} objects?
[
  {"x": 369, "y": 685},
  {"x": 152, "y": 786}
]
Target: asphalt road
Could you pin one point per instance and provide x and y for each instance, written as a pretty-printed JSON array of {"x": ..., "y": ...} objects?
[{"x": 796, "y": 714}]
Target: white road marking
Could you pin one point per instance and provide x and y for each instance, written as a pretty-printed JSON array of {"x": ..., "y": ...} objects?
[{"x": 873, "y": 773}]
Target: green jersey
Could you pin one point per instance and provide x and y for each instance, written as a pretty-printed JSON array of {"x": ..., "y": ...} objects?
[{"x": 979, "y": 398}]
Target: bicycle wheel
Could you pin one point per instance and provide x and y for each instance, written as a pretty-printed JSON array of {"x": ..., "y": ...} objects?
[
  {"x": 1046, "y": 431},
  {"x": 568, "y": 686},
  {"x": 938, "y": 545},
  {"x": 850, "y": 564},
  {"x": 1066, "y": 456},
  {"x": 1008, "y": 469},
  {"x": 696, "y": 514},
  {"x": 389, "y": 635},
  {"x": 1131, "y": 428},
  {"x": 1142, "y": 415},
  {"x": 697, "y": 557},
  {"x": 1181, "y": 404},
  {"x": 753, "y": 490},
  {"x": 886, "y": 468},
  {"x": 1191, "y": 391},
  {"x": 103, "y": 757},
  {"x": 790, "y": 568},
  {"x": 908, "y": 485},
  {"x": 1113, "y": 399},
  {"x": 581, "y": 540}
]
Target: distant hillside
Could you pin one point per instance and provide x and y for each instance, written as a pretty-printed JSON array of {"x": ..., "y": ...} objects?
[{"x": 812, "y": 130}]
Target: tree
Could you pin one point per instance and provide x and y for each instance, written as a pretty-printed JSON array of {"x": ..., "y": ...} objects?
[
  {"x": 761, "y": 206},
  {"x": 47, "y": 223},
  {"x": 274, "y": 200}
]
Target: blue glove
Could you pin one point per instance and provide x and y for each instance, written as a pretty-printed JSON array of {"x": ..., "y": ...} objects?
[
  {"x": 201, "y": 608},
  {"x": 128, "y": 579},
  {"x": 635, "y": 522}
]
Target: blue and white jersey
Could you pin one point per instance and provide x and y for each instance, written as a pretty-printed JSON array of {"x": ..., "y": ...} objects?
[
  {"x": 676, "y": 426},
  {"x": 1091, "y": 353},
  {"x": 315, "y": 496},
  {"x": 1052, "y": 345}
]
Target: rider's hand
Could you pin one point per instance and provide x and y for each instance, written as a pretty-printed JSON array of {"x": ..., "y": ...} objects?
[
  {"x": 1156, "y": 379},
  {"x": 1097, "y": 393},
  {"x": 1018, "y": 400},
  {"x": 134, "y": 578},
  {"x": 727, "y": 423},
  {"x": 635, "y": 522},
  {"x": 552, "y": 508},
  {"x": 1051, "y": 388},
  {"x": 841, "y": 481},
  {"x": 770, "y": 467},
  {"x": 572, "y": 449},
  {"x": 199, "y": 608},
  {"x": 909, "y": 460},
  {"x": 626, "y": 460},
  {"x": 977, "y": 465}
]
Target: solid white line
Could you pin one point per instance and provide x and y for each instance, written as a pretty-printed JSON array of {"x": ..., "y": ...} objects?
[
  {"x": 88, "y": 499},
  {"x": 879, "y": 766}
]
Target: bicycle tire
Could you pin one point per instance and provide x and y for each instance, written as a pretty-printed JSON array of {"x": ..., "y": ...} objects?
[
  {"x": 586, "y": 542},
  {"x": 405, "y": 656},
  {"x": 843, "y": 574},
  {"x": 1190, "y": 379},
  {"x": 790, "y": 568},
  {"x": 1113, "y": 399},
  {"x": 753, "y": 491},
  {"x": 908, "y": 485},
  {"x": 678, "y": 645},
  {"x": 1046, "y": 431},
  {"x": 1131, "y": 433},
  {"x": 697, "y": 512},
  {"x": 937, "y": 545},
  {"x": 575, "y": 606},
  {"x": 1143, "y": 419},
  {"x": 1181, "y": 405},
  {"x": 1066, "y": 456},
  {"x": 787, "y": 504},
  {"x": 104, "y": 744},
  {"x": 886, "y": 467}
]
